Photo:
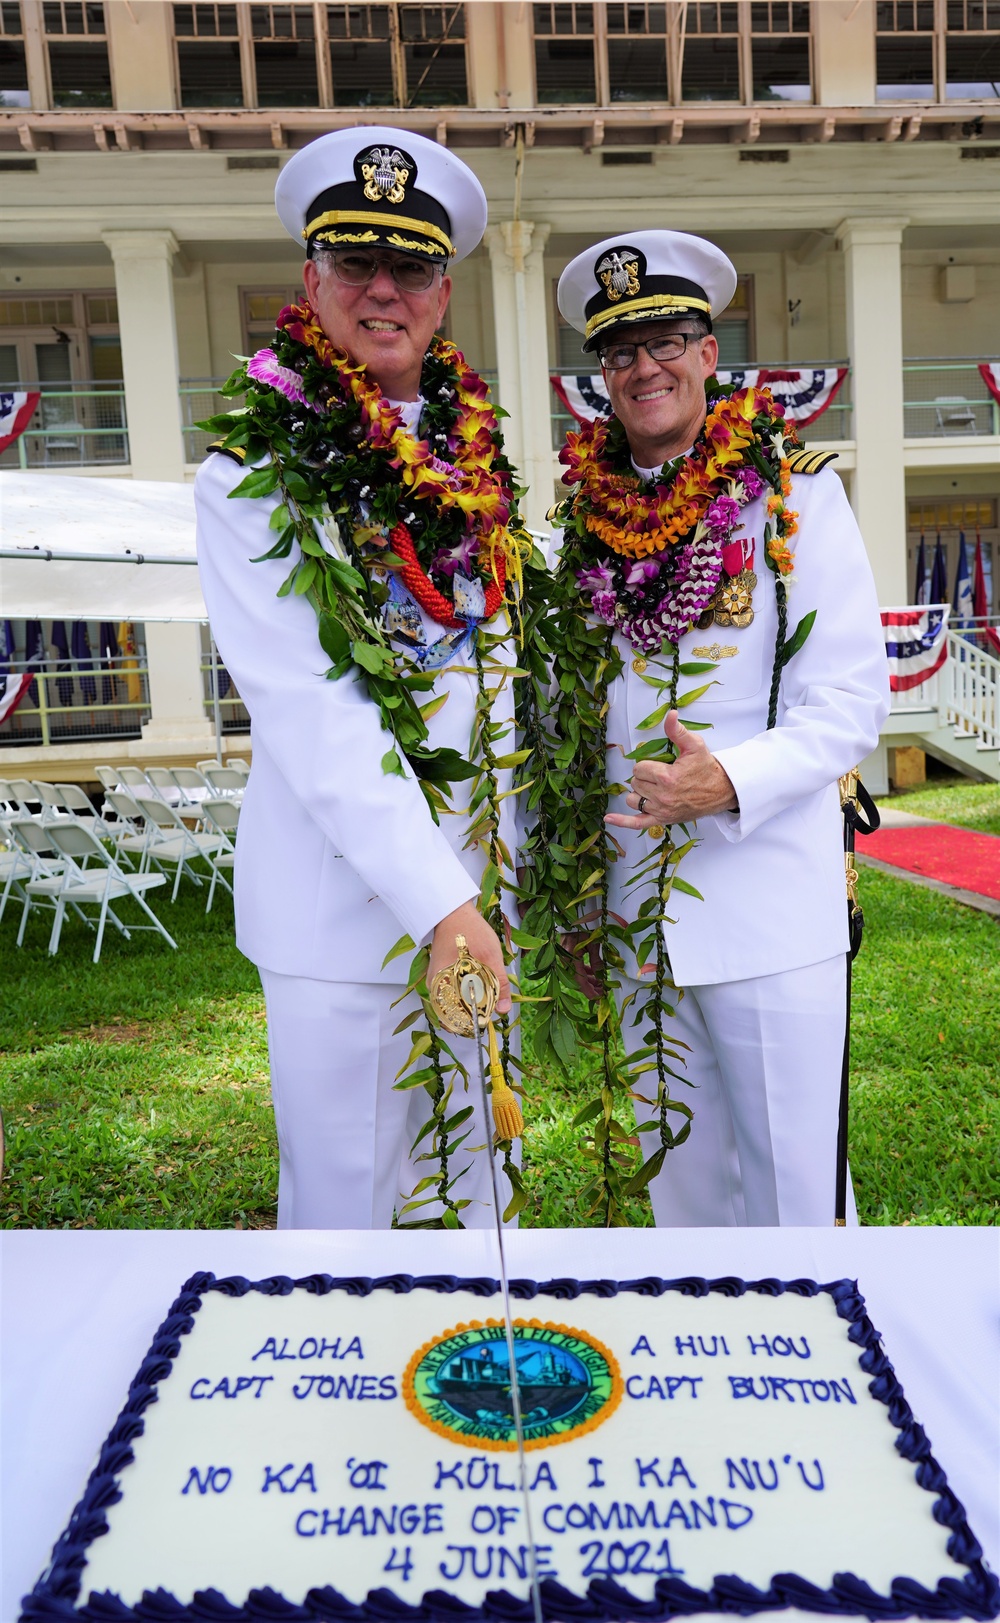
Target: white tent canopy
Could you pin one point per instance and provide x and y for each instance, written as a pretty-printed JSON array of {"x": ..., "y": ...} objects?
[{"x": 61, "y": 513}]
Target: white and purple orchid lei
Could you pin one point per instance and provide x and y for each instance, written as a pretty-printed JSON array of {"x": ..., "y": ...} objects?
[{"x": 657, "y": 599}]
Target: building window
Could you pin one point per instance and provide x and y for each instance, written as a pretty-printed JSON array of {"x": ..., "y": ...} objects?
[
  {"x": 564, "y": 53},
  {"x": 208, "y": 55},
  {"x": 972, "y": 50},
  {"x": 398, "y": 55},
  {"x": 261, "y": 308},
  {"x": 284, "y": 53},
  {"x": 362, "y": 41},
  {"x": 779, "y": 50},
  {"x": 904, "y": 50},
  {"x": 13, "y": 67},
  {"x": 79, "y": 69},
  {"x": 433, "y": 51},
  {"x": 711, "y": 69},
  {"x": 67, "y": 346},
  {"x": 734, "y": 328},
  {"x": 637, "y": 52}
]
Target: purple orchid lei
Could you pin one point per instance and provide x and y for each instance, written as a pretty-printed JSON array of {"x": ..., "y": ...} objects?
[{"x": 656, "y": 600}]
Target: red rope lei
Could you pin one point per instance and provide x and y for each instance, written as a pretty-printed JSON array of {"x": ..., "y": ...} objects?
[{"x": 422, "y": 588}]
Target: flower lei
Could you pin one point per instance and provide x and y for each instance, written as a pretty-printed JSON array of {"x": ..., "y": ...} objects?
[
  {"x": 643, "y": 559},
  {"x": 668, "y": 536},
  {"x": 437, "y": 511}
]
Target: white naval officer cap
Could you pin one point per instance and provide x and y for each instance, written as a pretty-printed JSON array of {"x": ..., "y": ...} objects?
[
  {"x": 644, "y": 276},
  {"x": 373, "y": 186}
]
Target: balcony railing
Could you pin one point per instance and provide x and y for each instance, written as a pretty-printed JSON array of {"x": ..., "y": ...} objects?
[
  {"x": 200, "y": 398},
  {"x": 944, "y": 398},
  {"x": 836, "y": 422},
  {"x": 66, "y": 704},
  {"x": 76, "y": 425},
  {"x": 233, "y": 716}
]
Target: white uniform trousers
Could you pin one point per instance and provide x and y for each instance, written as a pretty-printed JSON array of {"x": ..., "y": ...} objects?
[
  {"x": 765, "y": 1059},
  {"x": 344, "y": 1132}
]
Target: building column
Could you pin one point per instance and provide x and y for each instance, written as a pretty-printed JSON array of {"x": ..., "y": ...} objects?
[
  {"x": 873, "y": 272},
  {"x": 520, "y": 314},
  {"x": 176, "y": 685},
  {"x": 144, "y": 285}
]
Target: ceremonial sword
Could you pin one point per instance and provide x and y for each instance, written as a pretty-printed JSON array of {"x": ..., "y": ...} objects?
[
  {"x": 854, "y": 800},
  {"x": 464, "y": 997}
]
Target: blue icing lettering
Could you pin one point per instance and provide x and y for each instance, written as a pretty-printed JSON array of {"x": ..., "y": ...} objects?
[
  {"x": 494, "y": 1561},
  {"x": 223, "y": 1388},
  {"x": 493, "y": 1519},
  {"x": 642, "y": 1345},
  {"x": 369, "y": 1520},
  {"x": 216, "y": 1477},
  {"x": 311, "y": 1347},
  {"x": 779, "y": 1346},
  {"x": 665, "y": 1386},
  {"x": 358, "y": 1388},
  {"x": 276, "y": 1479},
  {"x": 775, "y": 1386}
]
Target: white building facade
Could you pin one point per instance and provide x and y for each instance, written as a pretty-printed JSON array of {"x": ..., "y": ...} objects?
[{"x": 844, "y": 153}]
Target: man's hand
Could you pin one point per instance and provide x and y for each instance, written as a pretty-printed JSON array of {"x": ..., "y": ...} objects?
[
  {"x": 692, "y": 786},
  {"x": 483, "y": 944}
]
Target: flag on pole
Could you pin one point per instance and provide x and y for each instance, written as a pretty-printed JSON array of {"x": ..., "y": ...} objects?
[
  {"x": 962, "y": 601},
  {"x": 939, "y": 574},
  {"x": 13, "y": 687},
  {"x": 83, "y": 660},
  {"x": 130, "y": 665},
  {"x": 34, "y": 653},
  {"x": 921, "y": 586},
  {"x": 981, "y": 601}
]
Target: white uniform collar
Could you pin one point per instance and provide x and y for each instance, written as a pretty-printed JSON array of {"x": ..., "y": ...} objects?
[
  {"x": 650, "y": 473},
  {"x": 410, "y": 411}
]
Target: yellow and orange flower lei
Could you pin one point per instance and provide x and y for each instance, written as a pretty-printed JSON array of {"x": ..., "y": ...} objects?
[
  {"x": 469, "y": 481},
  {"x": 634, "y": 524}
]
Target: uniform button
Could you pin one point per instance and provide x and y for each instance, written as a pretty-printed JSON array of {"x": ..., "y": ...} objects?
[
  {"x": 638, "y": 664},
  {"x": 656, "y": 832}
]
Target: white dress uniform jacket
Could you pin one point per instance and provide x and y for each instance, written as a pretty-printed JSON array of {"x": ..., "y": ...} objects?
[
  {"x": 336, "y": 859},
  {"x": 772, "y": 875}
]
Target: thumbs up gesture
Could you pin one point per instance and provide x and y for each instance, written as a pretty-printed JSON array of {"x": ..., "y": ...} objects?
[{"x": 693, "y": 785}]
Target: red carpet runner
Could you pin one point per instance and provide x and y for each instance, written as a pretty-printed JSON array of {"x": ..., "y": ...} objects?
[{"x": 955, "y": 856}]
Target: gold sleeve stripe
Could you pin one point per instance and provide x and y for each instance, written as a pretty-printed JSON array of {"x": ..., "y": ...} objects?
[
  {"x": 806, "y": 461},
  {"x": 659, "y": 301},
  {"x": 236, "y": 452},
  {"x": 361, "y": 216}
]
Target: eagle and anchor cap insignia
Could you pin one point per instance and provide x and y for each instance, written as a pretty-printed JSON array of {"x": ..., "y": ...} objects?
[
  {"x": 385, "y": 188},
  {"x": 647, "y": 276},
  {"x": 620, "y": 273}
]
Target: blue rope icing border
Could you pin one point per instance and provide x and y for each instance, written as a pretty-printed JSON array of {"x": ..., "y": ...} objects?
[{"x": 976, "y": 1595}]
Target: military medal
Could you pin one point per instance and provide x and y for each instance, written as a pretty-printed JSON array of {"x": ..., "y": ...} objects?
[{"x": 732, "y": 604}]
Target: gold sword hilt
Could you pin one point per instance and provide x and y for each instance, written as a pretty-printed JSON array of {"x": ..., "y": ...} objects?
[{"x": 464, "y": 997}]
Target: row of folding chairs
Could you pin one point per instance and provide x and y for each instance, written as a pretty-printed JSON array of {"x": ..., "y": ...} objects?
[
  {"x": 63, "y": 867},
  {"x": 184, "y": 786},
  {"x": 154, "y": 834}
]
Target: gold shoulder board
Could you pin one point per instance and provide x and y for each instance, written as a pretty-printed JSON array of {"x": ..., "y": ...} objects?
[
  {"x": 806, "y": 461},
  {"x": 237, "y": 452}
]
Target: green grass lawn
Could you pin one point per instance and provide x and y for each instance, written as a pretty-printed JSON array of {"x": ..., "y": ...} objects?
[
  {"x": 952, "y": 800},
  {"x": 135, "y": 1091}
]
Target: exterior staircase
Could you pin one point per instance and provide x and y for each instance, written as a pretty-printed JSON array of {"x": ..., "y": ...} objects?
[{"x": 955, "y": 714}]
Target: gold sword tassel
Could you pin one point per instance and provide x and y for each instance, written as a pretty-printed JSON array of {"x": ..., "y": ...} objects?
[{"x": 456, "y": 1016}]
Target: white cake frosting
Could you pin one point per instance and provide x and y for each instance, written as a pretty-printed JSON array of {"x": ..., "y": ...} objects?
[{"x": 287, "y": 1448}]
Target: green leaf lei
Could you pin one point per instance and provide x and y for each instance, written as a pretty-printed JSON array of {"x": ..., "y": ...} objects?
[{"x": 310, "y": 447}]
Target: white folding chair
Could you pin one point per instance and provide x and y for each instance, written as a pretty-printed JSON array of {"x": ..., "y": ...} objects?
[
  {"x": 133, "y": 777},
  {"x": 192, "y": 783},
  {"x": 34, "y": 841},
  {"x": 15, "y": 867},
  {"x": 79, "y": 805},
  {"x": 107, "y": 776},
  {"x": 25, "y": 797},
  {"x": 169, "y": 840},
  {"x": 52, "y": 802},
  {"x": 8, "y": 801},
  {"x": 91, "y": 875},
  {"x": 225, "y": 780},
  {"x": 221, "y": 816}
]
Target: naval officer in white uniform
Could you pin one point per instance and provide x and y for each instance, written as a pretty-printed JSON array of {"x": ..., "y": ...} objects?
[
  {"x": 337, "y": 858},
  {"x": 762, "y": 959}
]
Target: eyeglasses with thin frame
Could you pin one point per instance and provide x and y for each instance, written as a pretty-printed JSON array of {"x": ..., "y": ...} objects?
[
  {"x": 669, "y": 346},
  {"x": 356, "y": 267}
]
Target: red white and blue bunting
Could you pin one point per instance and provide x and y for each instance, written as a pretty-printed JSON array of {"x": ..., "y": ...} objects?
[
  {"x": 989, "y": 371},
  {"x": 16, "y": 411},
  {"x": 803, "y": 393},
  {"x": 915, "y": 644}
]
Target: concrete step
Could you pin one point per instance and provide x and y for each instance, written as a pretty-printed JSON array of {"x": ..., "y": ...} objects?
[{"x": 963, "y": 751}]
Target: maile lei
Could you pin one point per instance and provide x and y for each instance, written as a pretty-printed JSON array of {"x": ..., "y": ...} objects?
[
  {"x": 438, "y": 513},
  {"x": 644, "y": 559}
]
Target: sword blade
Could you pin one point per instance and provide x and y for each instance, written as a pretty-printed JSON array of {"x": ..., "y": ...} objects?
[{"x": 470, "y": 986}]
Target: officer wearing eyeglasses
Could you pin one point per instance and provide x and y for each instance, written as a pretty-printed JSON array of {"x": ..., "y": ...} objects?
[
  {"x": 337, "y": 860},
  {"x": 760, "y": 953}
]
